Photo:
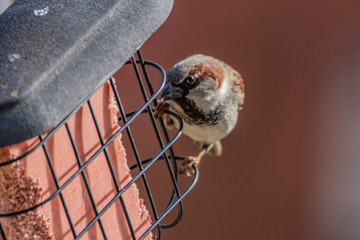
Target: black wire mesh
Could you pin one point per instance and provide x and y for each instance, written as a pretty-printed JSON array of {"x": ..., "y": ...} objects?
[{"x": 139, "y": 169}]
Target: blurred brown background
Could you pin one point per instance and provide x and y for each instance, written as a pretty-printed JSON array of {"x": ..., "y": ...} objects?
[{"x": 291, "y": 168}]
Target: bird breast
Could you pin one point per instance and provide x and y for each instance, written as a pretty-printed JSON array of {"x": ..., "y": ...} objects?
[{"x": 208, "y": 133}]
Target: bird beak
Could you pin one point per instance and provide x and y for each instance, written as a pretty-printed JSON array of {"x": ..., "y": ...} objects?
[{"x": 172, "y": 92}]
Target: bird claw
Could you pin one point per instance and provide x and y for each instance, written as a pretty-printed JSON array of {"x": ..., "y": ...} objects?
[
  {"x": 187, "y": 166},
  {"x": 161, "y": 108}
]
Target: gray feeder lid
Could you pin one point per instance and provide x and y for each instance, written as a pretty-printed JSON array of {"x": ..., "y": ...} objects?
[{"x": 54, "y": 53}]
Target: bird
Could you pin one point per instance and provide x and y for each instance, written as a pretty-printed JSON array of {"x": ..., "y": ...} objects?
[{"x": 208, "y": 95}]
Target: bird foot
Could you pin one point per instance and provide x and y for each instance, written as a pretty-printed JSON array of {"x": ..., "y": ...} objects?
[
  {"x": 160, "y": 108},
  {"x": 187, "y": 165}
]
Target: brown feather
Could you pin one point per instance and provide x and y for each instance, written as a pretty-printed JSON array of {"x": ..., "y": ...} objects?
[
  {"x": 238, "y": 81},
  {"x": 209, "y": 69}
]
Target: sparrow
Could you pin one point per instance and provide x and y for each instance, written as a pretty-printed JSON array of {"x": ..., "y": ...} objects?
[{"x": 207, "y": 94}]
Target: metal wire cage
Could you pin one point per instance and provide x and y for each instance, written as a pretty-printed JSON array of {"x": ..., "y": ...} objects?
[{"x": 161, "y": 217}]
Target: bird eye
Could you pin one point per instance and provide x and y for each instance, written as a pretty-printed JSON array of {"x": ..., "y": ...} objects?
[{"x": 191, "y": 79}]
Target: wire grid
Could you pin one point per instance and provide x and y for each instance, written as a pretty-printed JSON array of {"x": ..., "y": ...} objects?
[{"x": 142, "y": 165}]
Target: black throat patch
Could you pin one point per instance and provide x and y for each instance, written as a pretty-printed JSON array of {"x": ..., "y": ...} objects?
[{"x": 193, "y": 116}]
